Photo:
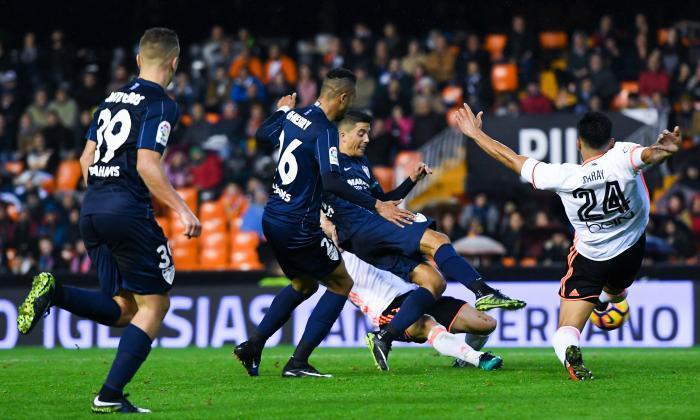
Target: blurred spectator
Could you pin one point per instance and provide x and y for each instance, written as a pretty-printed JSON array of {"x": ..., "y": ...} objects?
[
  {"x": 604, "y": 83},
  {"x": 388, "y": 97},
  {"x": 450, "y": 227},
  {"x": 520, "y": 48},
  {"x": 247, "y": 88},
  {"x": 177, "y": 170},
  {"x": 47, "y": 259},
  {"x": 120, "y": 77},
  {"x": 81, "y": 261},
  {"x": 88, "y": 94},
  {"x": 39, "y": 109},
  {"x": 426, "y": 123},
  {"x": 481, "y": 210},
  {"x": 184, "y": 92},
  {"x": 556, "y": 249},
  {"x": 678, "y": 238},
  {"x": 57, "y": 136},
  {"x": 218, "y": 89},
  {"x": 364, "y": 89},
  {"x": 535, "y": 102},
  {"x": 678, "y": 83},
  {"x": 512, "y": 236},
  {"x": 671, "y": 52},
  {"x": 476, "y": 88},
  {"x": 392, "y": 39},
  {"x": 29, "y": 59},
  {"x": 358, "y": 57},
  {"x": 307, "y": 88},
  {"x": 245, "y": 60},
  {"x": 440, "y": 62},
  {"x": 205, "y": 169},
  {"x": 25, "y": 136},
  {"x": 584, "y": 93},
  {"x": 654, "y": 79},
  {"x": 252, "y": 219},
  {"x": 65, "y": 107},
  {"x": 382, "y": 146},
  {"x": 278, "y": 63},
  {"x": 40, "y": 163},
  {"x": 414, "y": 58},
  {"x": 231, "y": 123},
  {"x": 61, "y": 58},
  {"x": 400, "y": 126},
  {"x": 473, "y": 51},
  {"x": 578, "y": 58},
  {"x": 200, "y": 129}
]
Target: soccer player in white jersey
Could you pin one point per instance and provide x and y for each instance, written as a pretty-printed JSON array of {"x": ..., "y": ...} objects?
[
  {"x": 607, "y": 203},
  {"x": 379, "y": 294}
]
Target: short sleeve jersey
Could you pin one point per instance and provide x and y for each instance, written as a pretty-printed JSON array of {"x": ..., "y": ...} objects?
[
  {"x": 139, "y": 115},
  {"x": 605, "y": 198},
  {"x": 308, "y": 149}
]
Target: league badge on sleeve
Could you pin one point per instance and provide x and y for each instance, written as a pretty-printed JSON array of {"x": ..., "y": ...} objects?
[
  {"x": 163, "y": 133},
  {"x": 333, "y": 155}
]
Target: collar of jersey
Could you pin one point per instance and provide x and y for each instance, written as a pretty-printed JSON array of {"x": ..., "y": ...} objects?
[{"x": 148, "y": 82}]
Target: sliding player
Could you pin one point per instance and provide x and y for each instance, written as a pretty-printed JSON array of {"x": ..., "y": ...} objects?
[
  {"x": 402, "y": 251},
  {"x": 607, "y": 203}
]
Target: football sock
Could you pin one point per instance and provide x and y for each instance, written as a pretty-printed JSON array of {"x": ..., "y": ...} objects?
[
  {"x": 417, "y": 303},
  {"x": 564, "y": 337},
  {"x": 606, "y": 297},
  {"x": 449, "y": 344},
  {"x": 133, "y": 349},
  {"x": 278, "y": 314},
  {"x": 476, "y": 341},
  {"x": 456, "y": 268},
  {"x": 320, "y": 323},
  {"x": 91, "y": 304}
]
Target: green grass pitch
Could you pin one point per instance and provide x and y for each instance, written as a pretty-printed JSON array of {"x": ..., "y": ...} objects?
[{"x": 209, "y": 383}]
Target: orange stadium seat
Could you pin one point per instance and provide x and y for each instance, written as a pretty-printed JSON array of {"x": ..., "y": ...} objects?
[
  {"x": 68, "y": 175},
  {"x": 553, "y": 40},
  {"x": 14, "y": 167},
  {"x": 213, "y": 259},
  {"x": 494, "y": 44},
  {"x": 621, "y": 100},
  {"x": 164, "y": 224},
  {"x": 211, "y": 210},
  {"x": 504, "y": 77},
  {"x": 214, "y": 225},
  {"x": 245, "y": 260},
  {"x": 214, "y": 240},
  {"x": 245, "y": 240},
  {"x": 385, "y": 176},
  {"x": 190, "y": 197}
]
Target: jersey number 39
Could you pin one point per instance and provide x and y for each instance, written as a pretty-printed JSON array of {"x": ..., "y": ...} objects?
[{"x": 107, "y": 124}]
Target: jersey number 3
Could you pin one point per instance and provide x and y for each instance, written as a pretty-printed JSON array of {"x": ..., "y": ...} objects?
[
  {"x": 614, "y": 201},
  {"x": 121, "y": 122}
]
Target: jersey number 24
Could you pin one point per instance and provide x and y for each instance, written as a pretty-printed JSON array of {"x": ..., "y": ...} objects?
[{"x": 613, "y": 201}]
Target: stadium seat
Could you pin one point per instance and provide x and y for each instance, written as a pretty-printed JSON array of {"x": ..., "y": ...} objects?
[
  {"x": 385, "y": 176},
  {"x": 190, "y": 197},
  {"x": 68, "y": 175},
  {"x": 452, "y": 95},
  {"x": 212, "y": 117},
  {"x": 245, "y": 260},
  {"x": 245, "y": 240},
  {"x": 504, "y": 77},
  {"x": 214, "y": 225},
  {"x": 494, "y": 44},
  {"x": 621, "y": 100},
  {"x": 213, "y": 259},
  {"x": 164, "y": 223},
  {"x": 214, "y": 240},
  {"x": 553, "y": 40},
  {"x": 211, "y": 210},
  {"x": 14, "y": 167},
  {"x": 185, "y": 259}
]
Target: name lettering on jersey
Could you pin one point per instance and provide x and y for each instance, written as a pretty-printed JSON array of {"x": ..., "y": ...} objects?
[
  {"x": 104, "y": 171},
  {"x": 284, "y": 195},
  {"x": 125, "y": 98},
  {"x": 298, "y": 120},
  {"x": 593, "y": 176},
  {"x": 358, "y": 184}
]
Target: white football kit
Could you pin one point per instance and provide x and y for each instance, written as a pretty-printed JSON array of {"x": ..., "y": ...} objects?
[
  {"x": 373, "y": 289},
  {"x": 605, "y": 198}
]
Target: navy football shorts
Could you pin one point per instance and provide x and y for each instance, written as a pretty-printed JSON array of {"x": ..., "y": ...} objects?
[
  {"x": 389, "y": 247},
  {"x": 129, "y": 253},
  {"x": 301, "y": 251}
]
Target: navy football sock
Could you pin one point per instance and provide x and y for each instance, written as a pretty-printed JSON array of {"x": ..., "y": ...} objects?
[
  {"x": 417, "y": 303},
  {"x": 134, "y": 347},
  {"x": 456, "y": 268},
  {"x": 91, "y": 304},
  {"x": 320, "y": 323},
  {"x": 278, "y": 314}
]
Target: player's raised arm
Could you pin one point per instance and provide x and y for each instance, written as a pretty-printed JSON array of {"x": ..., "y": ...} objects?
[
  {"x": 270, "y": 129},
  {"x": 470, "y": 125},
  {"x": 153, "y": 138},
  {"x": 667, "y": 144}
]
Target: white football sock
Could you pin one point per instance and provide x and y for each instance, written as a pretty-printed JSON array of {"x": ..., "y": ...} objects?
[
  {"x": 476, "y": 341},
  {"x": 564, "y": 337},
  {"x": 607, "y": 297},
  {"x": 449, "y": 344}
]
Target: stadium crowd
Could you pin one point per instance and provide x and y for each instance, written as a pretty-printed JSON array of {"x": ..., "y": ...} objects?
[{"x": 228, "y": 83}]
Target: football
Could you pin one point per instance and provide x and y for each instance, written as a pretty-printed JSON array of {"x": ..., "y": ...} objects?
[{"x": 612, "y": 317}]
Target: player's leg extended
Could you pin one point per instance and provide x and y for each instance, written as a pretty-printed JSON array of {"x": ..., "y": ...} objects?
[
  {"x": 456, "y": 268},
  {"x": 134, "y": 347},
  {"x": 476, "y": 325},
  {"x": 327, "y": 310},
  {"x": 417, "y": 303},
  {"x": 573, "y": 315}
]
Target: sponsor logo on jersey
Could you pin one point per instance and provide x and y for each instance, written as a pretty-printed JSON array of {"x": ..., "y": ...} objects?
[
  {"x": 420, "y": 218},
  {"x": 125, "y": 98},
  {"x": 284, "y": 195},
  {"x": 594, "y": 227},
  {"x": 358, "y": 184},
  {"x": 333, "y": 155},
  {"x": 163, "y": 133},
  {"x": 298, "y": 120},
  {"x": 104, "y": 171}
]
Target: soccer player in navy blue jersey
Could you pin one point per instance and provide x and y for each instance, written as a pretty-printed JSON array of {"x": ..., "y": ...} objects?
[
  {"x": 122, "y": 167},
  {"x": 400, "y": 251},
  {"x": 308, "y": 165}
]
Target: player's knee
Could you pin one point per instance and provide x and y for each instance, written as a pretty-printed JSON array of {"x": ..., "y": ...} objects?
[
  {"x": 341, "y": 285},
  {"x": 433, "y": 240},
  {"x": 436, "y": 285},
  {"x": 489, "y": 325},
  {"x": 305, "y": 286}
]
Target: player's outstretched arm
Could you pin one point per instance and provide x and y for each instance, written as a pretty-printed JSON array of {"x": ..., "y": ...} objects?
[
  {"x": 270, "y": 129},
  {"x": 87, "y": 158},
  {"x": 667, "y": 144},
  {"x": 400, "y": 192},
  {"x": 149, "y": 167},
  {"x": 470, "y": 125}
]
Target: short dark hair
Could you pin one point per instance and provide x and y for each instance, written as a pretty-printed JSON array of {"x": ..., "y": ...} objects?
[
  {"x": 338, "y": 81},
  {"x": 595, "y": 129},
  {"x": 354, "y": 116},
  {"x": 341, "y": 73}
]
